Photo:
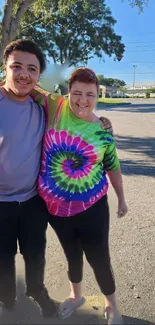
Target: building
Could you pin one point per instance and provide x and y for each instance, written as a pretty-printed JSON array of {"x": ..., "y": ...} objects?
[
  {"x": 140, "y": 89},
  {"x": 105, "y": 91}
]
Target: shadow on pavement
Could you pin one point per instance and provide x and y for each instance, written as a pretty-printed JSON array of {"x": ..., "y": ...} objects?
[
  {"x": 130, "y": 320},
  {"x": 26, "y": 312},
  {"x": 129, "y": 167},
  {"x": 140, "y": 147}
]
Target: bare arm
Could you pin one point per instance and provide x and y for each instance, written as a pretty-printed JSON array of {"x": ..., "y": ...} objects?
[{"x": 117, "y": 183}]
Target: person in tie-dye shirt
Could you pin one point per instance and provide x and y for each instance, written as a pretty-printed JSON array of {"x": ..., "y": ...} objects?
[{"x": 78, "y": 154}]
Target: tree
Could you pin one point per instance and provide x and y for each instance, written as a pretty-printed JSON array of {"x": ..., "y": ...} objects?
[
  {"x": 1, "y": 72},
  {"x": 149, "y": 92},
  {"x": 110, "y": 82},
  {"x": 66, "y": 40},
  {"x": 14, "y": 11},
  {"x": 101, "y": 79},
  {"x": 123, "y": 89},
  {"x": 139, "y": 3}
]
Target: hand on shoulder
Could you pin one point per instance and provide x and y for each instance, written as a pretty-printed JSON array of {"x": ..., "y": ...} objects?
[{"x": 106, "y": 124}]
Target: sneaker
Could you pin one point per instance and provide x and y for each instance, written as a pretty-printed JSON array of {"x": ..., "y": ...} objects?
[
  {"x": 46, "y": 304},
  {"x": 9, "y": 305}
]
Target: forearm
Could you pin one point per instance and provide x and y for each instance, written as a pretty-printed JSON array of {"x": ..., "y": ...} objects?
[{"x": 117, "y": 183}]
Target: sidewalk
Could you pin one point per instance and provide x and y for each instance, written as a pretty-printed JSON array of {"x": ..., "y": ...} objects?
[{"x": 26, "y": 312}]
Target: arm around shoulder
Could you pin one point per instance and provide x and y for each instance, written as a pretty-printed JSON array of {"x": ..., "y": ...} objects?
[{"x": 107, "y": 125}]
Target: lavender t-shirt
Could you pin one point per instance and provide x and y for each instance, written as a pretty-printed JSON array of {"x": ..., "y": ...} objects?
[{"x": 22, "y": 127}]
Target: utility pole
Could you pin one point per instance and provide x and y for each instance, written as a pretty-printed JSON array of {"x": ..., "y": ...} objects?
[{"x": 134, "y": 73}]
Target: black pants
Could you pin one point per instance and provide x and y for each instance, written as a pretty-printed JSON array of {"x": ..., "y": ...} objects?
[
  {"x": 87, "y": 232},
  {"x": 26, "y": 223}
]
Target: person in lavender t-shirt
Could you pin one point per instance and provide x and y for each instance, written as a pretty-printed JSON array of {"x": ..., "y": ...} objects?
[{"x": 23, "y": 214}]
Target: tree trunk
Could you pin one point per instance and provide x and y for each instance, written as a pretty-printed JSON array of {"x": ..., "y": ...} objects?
[{"x": 10, "y": 23}]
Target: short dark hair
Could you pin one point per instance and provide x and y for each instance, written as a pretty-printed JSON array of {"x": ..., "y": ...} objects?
[
  {"x": 85, "y": 75},
  {"x": 26, "y": 45}
]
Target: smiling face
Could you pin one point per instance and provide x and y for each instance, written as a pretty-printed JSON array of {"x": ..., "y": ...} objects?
[
  {"x": 83, "y": 99},
  {"x": 22, "y": 71}
]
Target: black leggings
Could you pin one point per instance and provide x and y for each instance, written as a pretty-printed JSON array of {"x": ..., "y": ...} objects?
[
  {"x": 87, "y": 232},
  {"x": 26, "y": 223}
]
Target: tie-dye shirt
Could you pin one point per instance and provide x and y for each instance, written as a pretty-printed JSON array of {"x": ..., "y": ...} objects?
[{"x": 76, "y": 154}]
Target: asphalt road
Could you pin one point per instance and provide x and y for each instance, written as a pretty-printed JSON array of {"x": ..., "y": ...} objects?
[{"x": 132, "y": 239}]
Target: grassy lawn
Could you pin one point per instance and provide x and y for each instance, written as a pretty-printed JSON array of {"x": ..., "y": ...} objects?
[{"x": 109, "y": 101}]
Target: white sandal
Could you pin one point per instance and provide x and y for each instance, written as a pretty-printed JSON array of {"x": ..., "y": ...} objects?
[
  {"x": 113, "y": 319},
  {"x": 67, "y": 308}
]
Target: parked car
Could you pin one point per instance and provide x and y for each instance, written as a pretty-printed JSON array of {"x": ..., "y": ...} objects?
[{"x": 121, "y": 95}]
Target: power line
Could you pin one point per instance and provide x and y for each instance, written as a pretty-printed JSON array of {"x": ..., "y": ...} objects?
[
  {"x": 129, "y": 73},
  {"x": 139, "y": 46},
  {"x": 142, "y": 33},
  {"x": 140, "y": 42},
  {"x": 141, "y": 50},
  {"x": 138, "y": 61}
]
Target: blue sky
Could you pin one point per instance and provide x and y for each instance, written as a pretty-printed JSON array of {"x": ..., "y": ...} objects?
[{"x": 138, "y": 34}]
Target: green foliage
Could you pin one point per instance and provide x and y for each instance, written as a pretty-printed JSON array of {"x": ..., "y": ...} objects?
[
  {"x": 139, "y": 3},
  {"x": 122, "y": 89},
  {"x": 101, "y": 79},
  {"x": 62, "y": 5},
  {"x": 72, "y": 32},
  {"x": 1, "y": 72},
  {"x": 16, "y": 6},
  {"x": 149, "y": 91},
  {"x": 110, "y": 82}
]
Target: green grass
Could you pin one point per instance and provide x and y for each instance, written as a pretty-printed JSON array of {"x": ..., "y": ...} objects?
[{"x": 109, "y": 101}]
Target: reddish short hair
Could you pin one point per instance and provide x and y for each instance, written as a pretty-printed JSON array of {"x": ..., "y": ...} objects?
[{"x": 85, "y": 75}]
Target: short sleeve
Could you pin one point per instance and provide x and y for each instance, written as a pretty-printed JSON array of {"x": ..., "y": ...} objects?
[
  {"x": 50, "y": 103},
  {"x": 110, "y": 160}
]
